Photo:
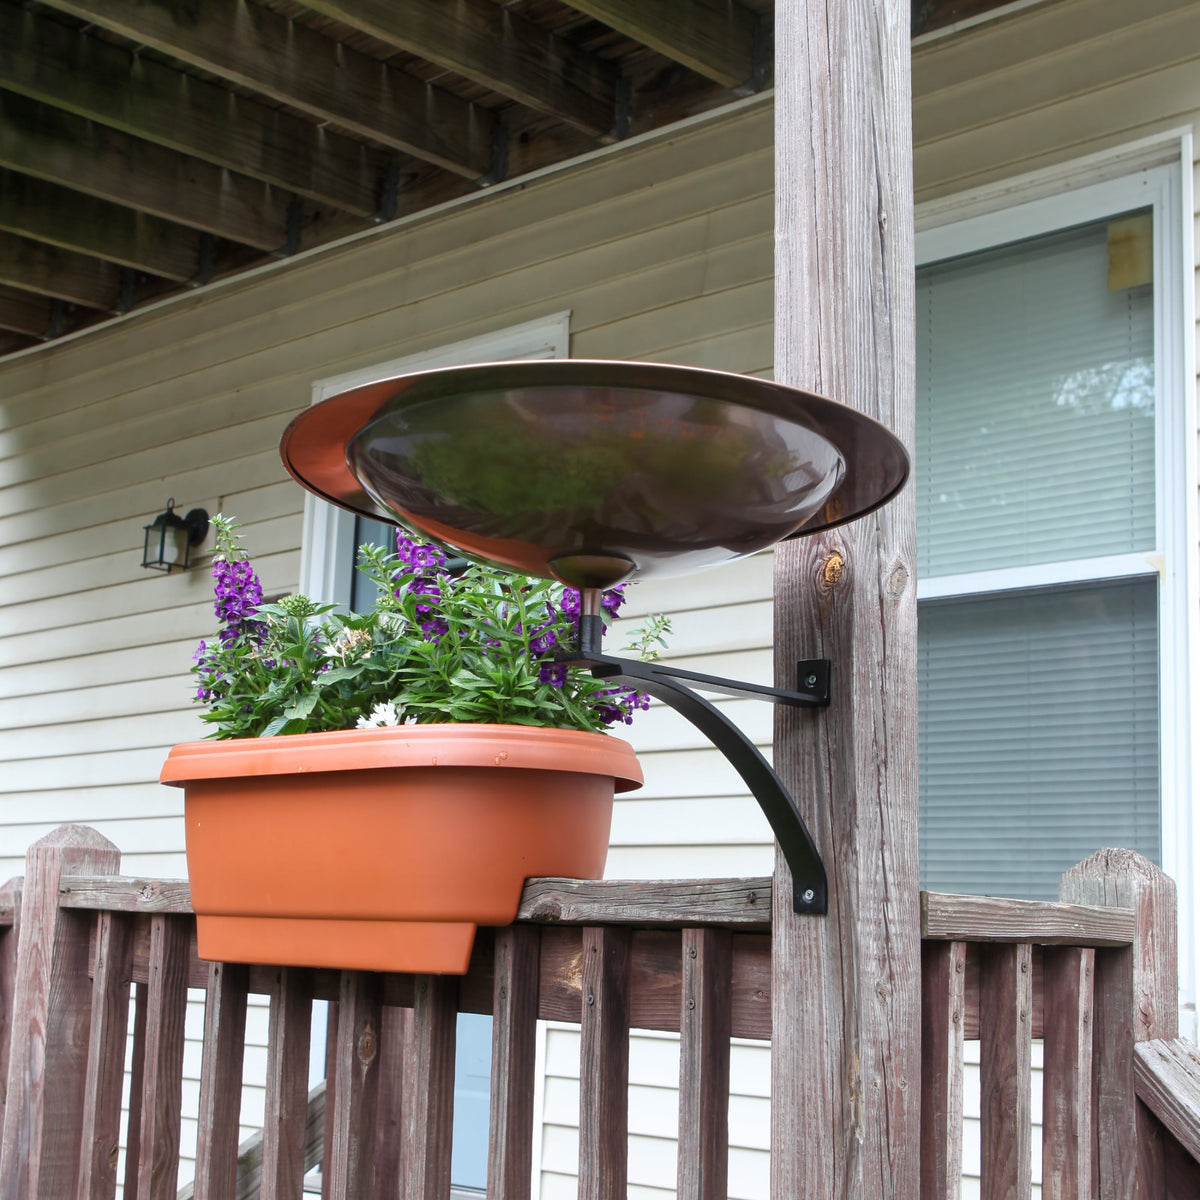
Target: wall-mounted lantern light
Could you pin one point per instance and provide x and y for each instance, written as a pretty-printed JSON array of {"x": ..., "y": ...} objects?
[{"x": 170, "y": 538}]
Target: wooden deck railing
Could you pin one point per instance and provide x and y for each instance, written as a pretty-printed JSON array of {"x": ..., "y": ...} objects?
[{"x": 1094, "y": 977}]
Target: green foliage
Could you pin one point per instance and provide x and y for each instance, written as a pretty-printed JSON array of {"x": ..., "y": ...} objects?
[{"x": 475, "y": 647}]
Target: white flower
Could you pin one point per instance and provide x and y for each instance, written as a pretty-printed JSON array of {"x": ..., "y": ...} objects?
[{"x": 382, "y": 715}]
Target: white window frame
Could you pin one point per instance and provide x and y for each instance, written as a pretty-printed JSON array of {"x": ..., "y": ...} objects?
[
  {"x": 1066, "y": 198},
  {"x": 327, "y": 542}
]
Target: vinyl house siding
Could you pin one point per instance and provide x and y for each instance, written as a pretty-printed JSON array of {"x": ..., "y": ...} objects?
[{"x": 661, "y": 250}]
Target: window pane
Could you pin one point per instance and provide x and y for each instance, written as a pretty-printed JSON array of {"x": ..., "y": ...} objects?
[
  {"x": 1038, "y": 734},
  {"x": 377, "y": 533},
  {"x": 1035, "y": 410},
  {"x": 472, "y": 1098}
]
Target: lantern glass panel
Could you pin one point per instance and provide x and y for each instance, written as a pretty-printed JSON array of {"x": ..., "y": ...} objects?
[
  {"x": 153, "y": 554},
  {"x": 176, "y": 546}
]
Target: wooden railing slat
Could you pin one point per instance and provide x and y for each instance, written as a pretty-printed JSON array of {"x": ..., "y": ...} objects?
[
  {"x": 949, "y": 917},
  {"x": 125, "y": 893},
  {"x": 943, "y": 1008},
  {"x": 430, "y": 1102},
  {"x": 101, "y": 1132},
  {"x": 162, "y": 1080},
  {"x": 221, "y": 1062},
  {"x": 725, "y": 902},
  {"x": 355, "y": 1087},
  {"x": 514, "y": 1045},
  {"x": 389, "y": 1114},
  {"x": 1005, "y": 1054},
  {"x": 604, "y": 1064},
  {"x": 705, "y": 1018},
  {"x": 39, "y": 1155},
  {"x": 1167, "y": 1078},
  {"x": 10, "y": 897},
  {"x": 734, "y": 902},
  {"x": 288, "y": 1039},
  {"x": 1067, "y": 1074}
]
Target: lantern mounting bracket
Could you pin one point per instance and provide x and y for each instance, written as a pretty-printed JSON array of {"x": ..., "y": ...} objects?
[{"x": 671, "y": 686}]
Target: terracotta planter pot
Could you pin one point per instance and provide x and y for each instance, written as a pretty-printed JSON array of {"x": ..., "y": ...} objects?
[{"x": 383, "y": 849}]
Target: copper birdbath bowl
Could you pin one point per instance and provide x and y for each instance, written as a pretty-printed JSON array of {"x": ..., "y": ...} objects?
[{"x": 596, "y": 472}]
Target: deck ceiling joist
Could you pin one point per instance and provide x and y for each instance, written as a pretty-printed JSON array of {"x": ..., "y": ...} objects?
[{"x": 151, "y": 147}]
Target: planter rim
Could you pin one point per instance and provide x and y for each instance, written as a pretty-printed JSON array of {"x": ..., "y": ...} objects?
[{"x": 523, "y": 747}]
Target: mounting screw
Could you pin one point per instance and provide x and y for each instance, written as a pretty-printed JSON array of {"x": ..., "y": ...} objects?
[
  {"x": 810, "y": 681},
  {"x": 809, "y": 896}
]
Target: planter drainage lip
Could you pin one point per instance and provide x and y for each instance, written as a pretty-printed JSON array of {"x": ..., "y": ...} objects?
[{"x": 521, "y": 747}]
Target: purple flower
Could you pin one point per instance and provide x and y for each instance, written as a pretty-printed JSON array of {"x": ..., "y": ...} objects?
[
  {"x": 420, "y": 556},
  {"x": 429, "y": 589},
  {"x": 570, "y": 602},
  {"x": 542, "y": 642},
  {"x": 554, "y": 674},
  {"x": 612, "y": 600},
  {"x": 237, "y": 594},
  {"x": 619, "y": 704},
  {"x": 434, "y": 629}
]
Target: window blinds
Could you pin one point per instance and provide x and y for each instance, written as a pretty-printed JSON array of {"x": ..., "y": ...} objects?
[
  {"x": 1035, "y": 419},
  {"x": 1038, "y": 734}
]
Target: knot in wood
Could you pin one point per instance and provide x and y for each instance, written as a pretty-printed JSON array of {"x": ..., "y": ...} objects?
[
  {"x": 832, "y": 569},
  {"x": 368, "y": 1045},
  {"x": 898, "y": 581}
]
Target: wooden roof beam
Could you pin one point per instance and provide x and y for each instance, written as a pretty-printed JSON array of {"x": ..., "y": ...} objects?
[
  {"x": 47, "y": 213},
  {"x": 495, "y": 47},
  {"x": 715, "y": 38},
  {"x": 10, "y": 343},
  {"x": 928, "y": 15},
  {"x": 76, "y": 278},
  {"x": 256, "y": 48},
  {"x": 75, "y": 71},
  {"x": 75, "y": 153},
  {"x": 25, "y": 314}
]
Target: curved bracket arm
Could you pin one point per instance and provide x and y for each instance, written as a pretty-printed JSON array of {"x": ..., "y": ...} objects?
[{"x": 811, "y": 891}]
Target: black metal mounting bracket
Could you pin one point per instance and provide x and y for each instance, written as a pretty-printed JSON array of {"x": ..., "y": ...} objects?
[{"x": 670, "y": 685}]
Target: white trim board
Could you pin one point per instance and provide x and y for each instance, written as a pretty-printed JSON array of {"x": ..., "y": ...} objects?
[{"x": 1172, "y": 146}]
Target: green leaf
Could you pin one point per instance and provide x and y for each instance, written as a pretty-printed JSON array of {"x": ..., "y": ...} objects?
[
  {"x": 301, "y": 706},
  {"x": 337, "y": 674}
]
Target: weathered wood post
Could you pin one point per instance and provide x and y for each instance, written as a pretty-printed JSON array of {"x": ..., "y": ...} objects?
[
  {"x": 43, "y": 1116},
  {"x": 1136, "y": 998},
  {"x": 845, "y": 1086}
]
